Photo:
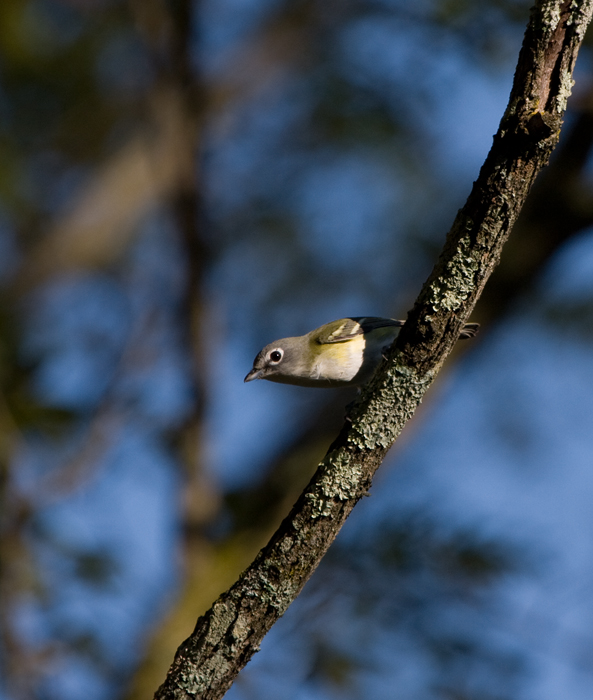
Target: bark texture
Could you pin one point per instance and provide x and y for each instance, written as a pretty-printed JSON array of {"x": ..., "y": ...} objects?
[{"x": 230, "y": 632}]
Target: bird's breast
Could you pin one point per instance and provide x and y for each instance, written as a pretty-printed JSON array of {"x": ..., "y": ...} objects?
[{"x": 340, "y": 361}]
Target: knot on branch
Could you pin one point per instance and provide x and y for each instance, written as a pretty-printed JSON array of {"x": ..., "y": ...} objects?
[{"x": 541, "y": 125}]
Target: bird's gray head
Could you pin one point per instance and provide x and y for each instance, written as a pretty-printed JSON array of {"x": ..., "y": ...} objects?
[{"x": 269, "y": 362}]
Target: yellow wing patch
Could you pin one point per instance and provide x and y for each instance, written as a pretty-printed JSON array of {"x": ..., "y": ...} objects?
[
  {"x": 339, "y": 331},
  {"x": 345, "y": 331}
]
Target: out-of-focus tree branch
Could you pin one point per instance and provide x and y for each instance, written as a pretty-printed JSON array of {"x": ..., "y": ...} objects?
[
  {"x": 159, "y": 163},
  {"x": 99, "y": 227},
  {"x": 167, "y": 30}
]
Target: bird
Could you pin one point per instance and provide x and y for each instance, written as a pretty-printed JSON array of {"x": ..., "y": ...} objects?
[{"x": 341, "y": 353}]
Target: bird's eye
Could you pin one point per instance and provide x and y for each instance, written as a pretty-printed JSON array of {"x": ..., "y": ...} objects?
[{"x": 276, "y": 356}]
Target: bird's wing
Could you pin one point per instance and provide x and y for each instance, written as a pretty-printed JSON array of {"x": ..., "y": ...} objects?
[{"x": 348, "y": 328}]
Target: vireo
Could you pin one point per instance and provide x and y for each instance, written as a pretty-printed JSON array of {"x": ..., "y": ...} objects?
[{"x": 341, "y": 353}]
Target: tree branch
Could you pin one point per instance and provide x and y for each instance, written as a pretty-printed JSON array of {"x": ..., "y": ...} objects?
[{"x": 227, "y": 635}]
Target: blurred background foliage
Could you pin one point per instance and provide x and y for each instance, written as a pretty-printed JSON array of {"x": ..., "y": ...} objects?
[{"x": 181, "y": 183}]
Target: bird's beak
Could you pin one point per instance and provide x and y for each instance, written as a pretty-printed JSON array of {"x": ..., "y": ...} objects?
[{"x": 254, "y": 374}]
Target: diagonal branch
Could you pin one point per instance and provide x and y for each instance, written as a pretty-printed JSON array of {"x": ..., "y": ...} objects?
[{"x": 227, "y": 635}]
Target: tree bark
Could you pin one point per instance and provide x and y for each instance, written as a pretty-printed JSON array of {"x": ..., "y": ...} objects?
[{"x": 228, "y": 634}]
